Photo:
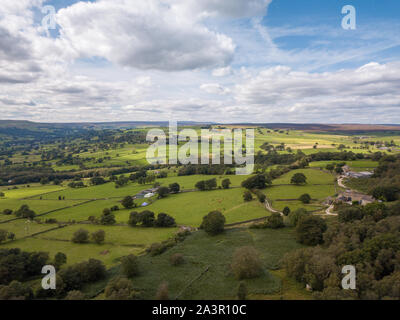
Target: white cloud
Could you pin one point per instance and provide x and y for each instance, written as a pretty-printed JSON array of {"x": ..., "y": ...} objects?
[
  {"x": 142, "y": 34},
  {"x": 222, "y": 72},
  {"x": 214, "y": 88}
]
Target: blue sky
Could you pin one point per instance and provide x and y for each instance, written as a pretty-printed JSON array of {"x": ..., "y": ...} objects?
[{"x": 205, "y": 60}]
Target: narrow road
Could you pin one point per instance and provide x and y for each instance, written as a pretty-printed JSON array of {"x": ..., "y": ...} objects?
[{"x": 269, "y": 208}]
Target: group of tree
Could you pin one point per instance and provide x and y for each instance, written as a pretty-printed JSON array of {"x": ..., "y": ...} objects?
[
  {"x": 147, "y": 219},
  {"x": 25, "y": 212},
  {"x": 6, "y": 235},
  {"x": 205, "y": 185},
  {"x": 259, "y": 181},
  {"x": 82, "y": 236},
  {"x": 367, "y": 238},
  {"x": 213, "y": 223}
]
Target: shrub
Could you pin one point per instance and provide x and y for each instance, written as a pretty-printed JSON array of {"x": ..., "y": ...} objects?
[
  {"x": 305, "y": 198},
  {"x": 177, "y": 259},
  {"x": 119, "y": 288},
  {"x": 242, "y": 291},
  {"x": 130, "y": 266},
  {"x": 213, "y": 223},
  {"x": 7, "y": 212},
  {"x": 75, "y": 295},
  {"x": 348, "y": 214},
  {"x": 275, "y": 221},
  {"x": 147, "y": 218},
  {"x": 134, "y": 218},
  {"x": 80, "y": 236},
  {"x": 174, "y": 187},
  {"x": 16, "y": 291},
  {"x": 309, "y": 230},
  {"x": 246, "y": 263},
  {"x": 162, "y": 292},
  {"x": 3, "y": 235},
  {"x": 286, "y": 211},
  {"x": 261, "y": 197},
  {"x": 98, "y": 236},
  {"x": 226, "y": 183},
  {"x": 247, "y": 196}
]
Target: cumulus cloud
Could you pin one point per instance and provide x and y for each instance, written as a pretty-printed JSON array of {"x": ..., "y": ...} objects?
[
  {"x": 214, "y": 88},
  {"x": 142, "y": 34}
]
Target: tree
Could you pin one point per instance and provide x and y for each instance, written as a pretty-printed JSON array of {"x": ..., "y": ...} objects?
[
  {"x": 305, "y": 198},
  {"x": 3, "y": 235},
  {"x": 165, "y": 221},
  {"x": 242, "y": 291},
  {"x": 2, "y": 194},
  {"x": 388, "y": 193},
  {"x": 97, "y": 181},
  {"x": 247, "y": 196},
  {"x": 295, "y": 216},
  {"x": 330, "y": 167},
  {"x": 259, "y": 181},
  {"x": 213, "y": 223},
  {"x": 119, "y": 288},
  {"x": 211, "y": 184},
  {"x": 309, "y": 230},
  {"x": 127, "y": 202},
  {"x": 261, "y": 197},
  {"x": 174, "y": 187},
  {"x": 134, "y": 218},
  {"x": 246, "y": 263},
  {"x": 275, "y": 221},
  {"x": 59, "y": 259},
  {"x": 130, "y": 266},
  {"x": 163, "y": 192},
  {"x": 7, "y": 212},
  {"x": 298, "y": 179},
  {"x": 25, "y": 212},
  {"x": 201, "y": 185},
  {"x": 80, "y": 236},
  {"x": 162, "y": 292},
  {"x": 147, "y": 218},
  {"x": 107, "y": 218},
  {"x": 349, "y": 214},
  {"x": 286, "y": 211},
  {"x": 226, "y": 183},
  {"x": 98, "y": 236}
]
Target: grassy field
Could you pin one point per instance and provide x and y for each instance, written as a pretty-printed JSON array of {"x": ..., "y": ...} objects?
[
  {"x": 201, "y": 251},
  {"x": 313, "y": 177}
]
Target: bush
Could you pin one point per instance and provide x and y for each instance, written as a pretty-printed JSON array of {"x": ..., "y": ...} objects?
[
  {"x": 16, "y": 291},
  {"x": 246, "y": 263},
  {"x": 275, "y": 221},
  {"x": 247, "y": 196},
  {"x": 119, "y": 288},
  {"x": 80, "y": 236},
  {"x": 7, "y": 212},
  {"x": 75, "y": 295},
  {"x": 348, "y": 214},
  {"x": 174, "y": 187},
  {"x": 309, "y": 230},
  {"x": 305, "y": 198},
  {"x": 162, "y": 292},
  {"x": 98, "y": 236},
  {"x": 226, "y": 183},
  {"x": 242, "y": 291},
  {"x": 213, "y": 223},
  {"x": 134, "y": 218},
  {"x": 177, "y": 259},
  {"x": 130, "y": 266},
  {"x": 286, "y": 211},
  {"x": 147, "y": 218},
  {"x": 3, "y": 235},
  {"x": 261, "y": 197}
]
